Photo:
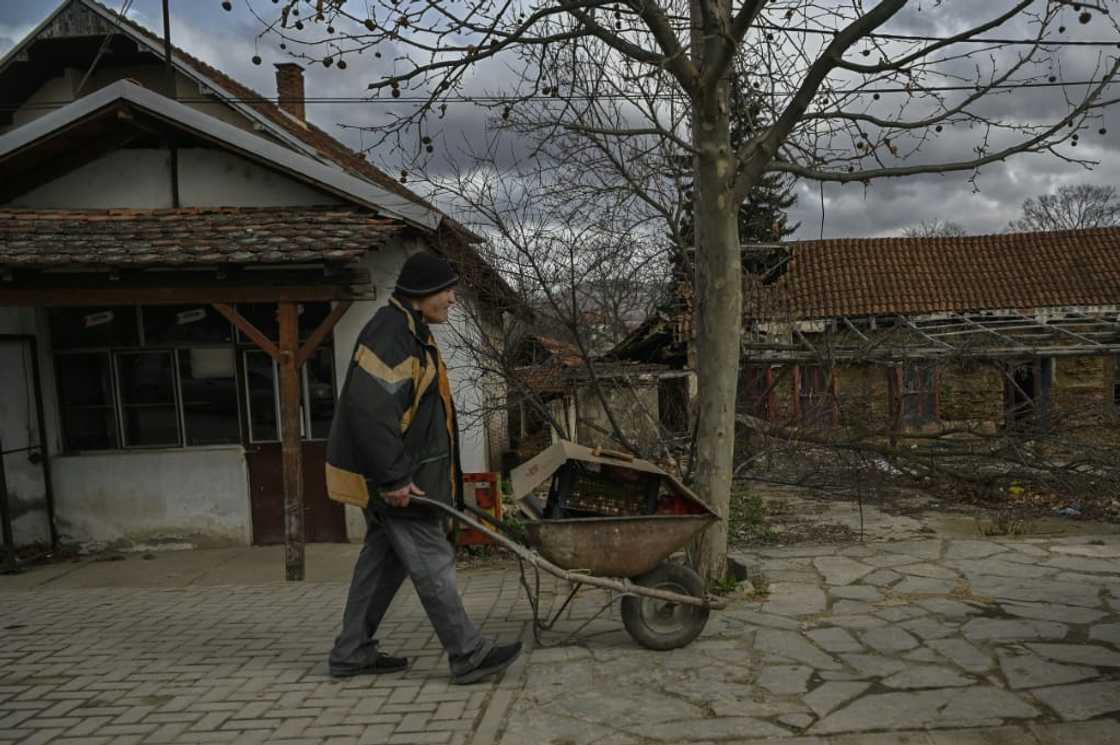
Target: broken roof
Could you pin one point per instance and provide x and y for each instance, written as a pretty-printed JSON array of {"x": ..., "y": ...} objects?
[{"x": 914, "y": 276}]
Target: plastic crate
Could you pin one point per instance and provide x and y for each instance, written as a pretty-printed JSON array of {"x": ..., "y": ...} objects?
[
  {"x": 597, "y": 490},
  {"x": 481, "y": 490}
]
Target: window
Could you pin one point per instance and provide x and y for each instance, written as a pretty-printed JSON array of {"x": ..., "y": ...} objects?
[
  {"x": 166, "y": 376},
  {"x": 918, "y": 393},
  {"x": 262, "y": 395},
  {"x": 92, "y": 327},
  {"x": 1026, "y": 393},
  {"x": 85, "y": 392},
  {"x": 318, "y": 376},
  {"x": 754, "y": 391},
  {"x": 1116, "y": 381},
  {"x": 262, "y": 389},
  {"x": 264, "y": 317},
  {"x": 208, "y": 385},
  {"x": 185, "y": 324},
  {"x": 815, "y": 396},
  {"x": 149, "y": 415}
]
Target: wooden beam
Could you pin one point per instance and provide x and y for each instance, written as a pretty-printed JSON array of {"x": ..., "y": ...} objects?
[
  {"x": 63, "y": 296},
  {"x": 320, "y": 333},
  {"x": 291, "y": 447},
  {"x": 255, "y": 335}
]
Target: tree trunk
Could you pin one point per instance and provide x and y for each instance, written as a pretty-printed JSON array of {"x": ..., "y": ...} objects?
[{"x": 719, "y": 302}]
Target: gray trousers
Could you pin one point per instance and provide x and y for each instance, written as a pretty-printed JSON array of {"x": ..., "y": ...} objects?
[{"x": 394, "y": 548}]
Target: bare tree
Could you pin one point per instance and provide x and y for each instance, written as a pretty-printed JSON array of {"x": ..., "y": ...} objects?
[
  {"x": 935, "y": 228},
  {"x": 1072, "y": 207},
  {"x": 848, "y": 98}
]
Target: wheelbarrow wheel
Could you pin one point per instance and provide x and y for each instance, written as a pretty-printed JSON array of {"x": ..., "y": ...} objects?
[{"x": 659, "y": 624}]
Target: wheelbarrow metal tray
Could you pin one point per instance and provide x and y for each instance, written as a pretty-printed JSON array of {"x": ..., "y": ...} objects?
[{"x": 614, "y": 546}]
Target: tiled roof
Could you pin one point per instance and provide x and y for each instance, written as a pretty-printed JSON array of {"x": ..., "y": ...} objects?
[
  {"x": 912, "y": 276},
  {"x": 184, "y": 237}
]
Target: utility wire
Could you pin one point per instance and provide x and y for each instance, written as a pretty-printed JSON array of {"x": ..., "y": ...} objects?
[
  {"x": 604, "y": 97},
  {"x": 102, "y": 48}
]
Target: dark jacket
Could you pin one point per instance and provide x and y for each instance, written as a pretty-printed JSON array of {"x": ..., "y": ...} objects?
[{"x": 395, "y": 420}]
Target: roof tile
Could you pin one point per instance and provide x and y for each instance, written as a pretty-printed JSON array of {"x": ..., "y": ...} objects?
[
  {"x": 910, "y": 276},
  {"x": 32, "y": 238}
]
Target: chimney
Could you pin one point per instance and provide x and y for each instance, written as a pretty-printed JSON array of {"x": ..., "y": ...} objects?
[{"x": 289, "y": 89}]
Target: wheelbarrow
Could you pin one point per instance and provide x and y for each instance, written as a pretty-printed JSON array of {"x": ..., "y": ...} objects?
[{"x": 664, "y": 604}]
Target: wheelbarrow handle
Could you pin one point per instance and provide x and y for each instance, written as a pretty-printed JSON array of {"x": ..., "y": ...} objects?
[{"x": 622, "y": 585}]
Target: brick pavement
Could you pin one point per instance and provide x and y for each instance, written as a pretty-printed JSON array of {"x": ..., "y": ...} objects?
[{"x": 242, "y": 664}]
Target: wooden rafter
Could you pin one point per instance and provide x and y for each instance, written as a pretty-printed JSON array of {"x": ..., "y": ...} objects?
[{"x": 250, "y": 331}]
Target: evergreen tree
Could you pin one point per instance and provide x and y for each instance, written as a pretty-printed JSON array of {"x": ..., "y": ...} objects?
[{"x": 762, "y": 216}]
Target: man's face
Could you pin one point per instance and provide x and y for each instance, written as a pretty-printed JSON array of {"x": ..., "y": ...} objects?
[{"x": 436, "y": 308}]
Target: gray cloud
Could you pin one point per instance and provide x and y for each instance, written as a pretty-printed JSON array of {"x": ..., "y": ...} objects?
[{"x": 226, "y": 40}]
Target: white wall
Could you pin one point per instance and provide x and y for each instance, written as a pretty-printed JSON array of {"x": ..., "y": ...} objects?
[
  {"x": 198, "y": 496},
  {"x": 140, "y": 179},
  {"x": 215, "y": 178}
]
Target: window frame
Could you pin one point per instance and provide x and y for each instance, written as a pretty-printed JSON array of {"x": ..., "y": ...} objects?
[
  {"x": 830, "y": 419},
  {"x": 239, "y": 347},
  {"x": 306, "y": 431},
  {"x": 110, "y": 407},
  {"x": 930, "y": 396},
  {"x": 176, "y": 398}
]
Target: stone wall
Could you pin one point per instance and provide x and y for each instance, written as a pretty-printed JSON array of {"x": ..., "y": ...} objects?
[
  {"x": 634, "y": 407},
  {"x": 971, "y": 395}
]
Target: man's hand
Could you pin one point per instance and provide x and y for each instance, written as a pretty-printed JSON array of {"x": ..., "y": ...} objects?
[{"x": 400, "y": 497}]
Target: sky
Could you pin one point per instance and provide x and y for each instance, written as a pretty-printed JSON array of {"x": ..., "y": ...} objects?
[{"x": 982, "y": 204}]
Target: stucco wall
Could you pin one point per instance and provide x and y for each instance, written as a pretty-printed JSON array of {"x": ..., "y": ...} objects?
[
  {"x": 140, "y": 179},
  {"x": 198, "y": 496}
]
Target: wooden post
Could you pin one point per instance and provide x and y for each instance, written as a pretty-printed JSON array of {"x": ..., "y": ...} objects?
[{"x": 291, "y": 448}]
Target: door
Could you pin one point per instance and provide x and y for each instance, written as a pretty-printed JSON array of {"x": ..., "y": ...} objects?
[
  {"x": 23, "y": 460},
  {"x": 323, "y": 520},
  {"x": 1026, "y": 393}
]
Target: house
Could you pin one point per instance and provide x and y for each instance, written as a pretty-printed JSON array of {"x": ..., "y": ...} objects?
[
  {"x": 555, "y": 394},
  {"x": 184, "y": 269},
  {"x": 976, "y": 333}
]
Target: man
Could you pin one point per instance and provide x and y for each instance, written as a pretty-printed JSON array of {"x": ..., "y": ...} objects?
[{"x": 395, "y": 436}]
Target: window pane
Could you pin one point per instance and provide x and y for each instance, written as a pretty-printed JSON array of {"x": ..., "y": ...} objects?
[
  {"x": 151, "y": 426},
  {"x": 261, "y": 381},
  {"x": 86, "y": 399},
  {"x": 320, "y": 392},
  {"x": 147, "y": 385},
  {"x": 208, "y": 385},
  {"x": 146, "y": 378},
  {"x": 195, "y": 324},
  {"x": 263, "y": 317},
  {"x": 104, "y": 326},
  {"x": 310, "y": 316}
]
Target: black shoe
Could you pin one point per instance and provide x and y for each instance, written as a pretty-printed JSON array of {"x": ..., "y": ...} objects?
[
  {"x": 383, "y": 663},
  {"x": 497, "y": 660}
]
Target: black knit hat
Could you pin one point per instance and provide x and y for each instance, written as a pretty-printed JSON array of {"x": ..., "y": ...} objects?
[{"x": 425, "y": 274}]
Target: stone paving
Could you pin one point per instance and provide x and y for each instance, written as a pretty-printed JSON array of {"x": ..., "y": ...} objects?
[
  {"x": 924, "y": 642},
  {"x": 922, "y": 635}
]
